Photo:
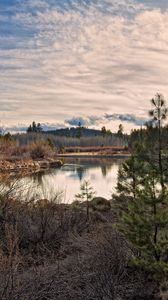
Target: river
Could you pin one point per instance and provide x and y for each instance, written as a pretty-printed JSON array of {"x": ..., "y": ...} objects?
[{"x": 64, "y": 183}]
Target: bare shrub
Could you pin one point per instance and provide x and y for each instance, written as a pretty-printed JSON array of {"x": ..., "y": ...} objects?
[
  {"x": 100, "y": 204},
  {"x": 52, "y": 251},
  {"x": 38, "y": 151},
  {"x": 10, "y": 261},
  {"x": 19, "y": 152}
]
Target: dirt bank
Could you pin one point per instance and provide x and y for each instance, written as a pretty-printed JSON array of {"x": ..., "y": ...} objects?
[{"x": 28, "y": 165}]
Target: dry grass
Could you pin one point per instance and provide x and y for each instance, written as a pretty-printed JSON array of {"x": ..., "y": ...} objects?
[
  {"x": 51, "y": 251},
  {"x": 11, "y": 150}
]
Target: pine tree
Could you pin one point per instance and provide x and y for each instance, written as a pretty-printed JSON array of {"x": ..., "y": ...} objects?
[
  {"x": 39, "y": 128},
  {"x": 120, "y": 130},
  {"x": 34, "y": 126},
  {"x": 145, "y": 225},
  {"x": 103, "y": 131},
  {"x": 86, "y": 194},
  {"x": 79, "y": 131},
  {"x": 130, "y": 179},
  {"x": 159, "y": 113},
  {"x": 29, "y": 129},
  {"x": 144, "y": 215}
]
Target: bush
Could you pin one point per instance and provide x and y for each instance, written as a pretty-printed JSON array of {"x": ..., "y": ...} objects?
[
  {"x": 20, "y": 152},
  {"x": 38, "y": 151},
  {"x": 100, "y": 204},
  {"x": 76, "y": 204}
]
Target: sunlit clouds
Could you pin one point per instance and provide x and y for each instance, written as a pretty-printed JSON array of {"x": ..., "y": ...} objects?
[{"x": 76, "y": 59}]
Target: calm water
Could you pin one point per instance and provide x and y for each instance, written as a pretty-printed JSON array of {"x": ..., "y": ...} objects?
[{"x": 65, "y": 182}]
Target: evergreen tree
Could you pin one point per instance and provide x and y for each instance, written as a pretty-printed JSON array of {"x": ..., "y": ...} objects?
[
  {"x": 145, "y": 225},
  {"x": 159, "y": 113},
  {"x": 79, "y": 131},
  {"x": 120, "y": 130},
  {"x": 8, "y": 137},
  {"x": 35, "y": 128},
  {"x": 130, "y": 179},
  {"x": 143, "y": 199},
  {"x": 86, "y": 194},
  {"x": 39, "y": 128},
  {"x": 29, "y": 129},
  {"x": 103, "y": 131}
]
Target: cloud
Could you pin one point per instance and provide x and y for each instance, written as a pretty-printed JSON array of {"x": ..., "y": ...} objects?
[
  {"x": 22, "y": 128},
  {"x": 89, "y": 121},
  {"x": 71, "y": 58},
  {"x": 77, "y": 121},
  {"x": 128, "y": 118},
  {"x": 107, "y": 118}
]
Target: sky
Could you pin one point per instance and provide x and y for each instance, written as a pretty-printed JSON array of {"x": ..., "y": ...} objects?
[{"x": 94, "y": 61}]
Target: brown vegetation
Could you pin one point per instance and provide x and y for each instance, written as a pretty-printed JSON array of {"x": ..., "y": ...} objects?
[
  {"x": 10, "y": 148},
  {"x": 110, "y": 149},
  {"x": 94, "y": 151},
  {"x": 52, "y": 251},
  {"x": 64, "y": 142},
  {"x": 31, "y": 157}
]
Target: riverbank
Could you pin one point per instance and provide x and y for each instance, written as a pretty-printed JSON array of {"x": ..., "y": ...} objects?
[
  {"x": 29, "y": 165},
  {"x": 94, "y": 155},
  {"x": 95, "y": 152}
]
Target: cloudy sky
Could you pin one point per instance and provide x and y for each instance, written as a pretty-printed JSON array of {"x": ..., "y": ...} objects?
[{"x": 97, "y": 61}]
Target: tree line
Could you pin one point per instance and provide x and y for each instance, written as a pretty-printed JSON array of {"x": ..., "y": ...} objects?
[{"x": 35, "y": 128}]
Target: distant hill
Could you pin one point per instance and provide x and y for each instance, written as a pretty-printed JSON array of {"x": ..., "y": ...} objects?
[{"x": 75, "y": 132}]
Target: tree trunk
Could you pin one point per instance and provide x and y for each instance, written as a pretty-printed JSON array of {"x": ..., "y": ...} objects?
[{"x": 160, "y": 157}]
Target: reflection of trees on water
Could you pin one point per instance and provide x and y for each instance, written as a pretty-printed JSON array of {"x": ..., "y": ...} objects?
[
  {"x": 105, "y": 169},
  {"x": 92, "y": 161},
  {"x": 37, "y": 178},
  {"x": 41, "y": 186},
  {"x": 63, "y": 183},
  {"x": 80, "y": 172},
  {"x": 105, "y": 164}
]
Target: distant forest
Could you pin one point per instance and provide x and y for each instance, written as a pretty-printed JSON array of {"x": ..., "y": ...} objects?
[
  {"x": 85, "y": 137},
  {"x": 74, "y": 137}
]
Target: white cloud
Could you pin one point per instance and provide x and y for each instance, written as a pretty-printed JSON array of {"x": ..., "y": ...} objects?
[{"x": 109, "y": 57}]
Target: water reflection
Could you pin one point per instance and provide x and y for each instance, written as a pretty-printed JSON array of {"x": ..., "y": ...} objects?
[{"x": 65, "y": 183}]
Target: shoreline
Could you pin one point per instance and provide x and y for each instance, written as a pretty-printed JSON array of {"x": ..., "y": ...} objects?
[
  {"x": 11, "y": 165},
  {"x": 31, "y": 166},
  {"x": 93, "y": 155}
]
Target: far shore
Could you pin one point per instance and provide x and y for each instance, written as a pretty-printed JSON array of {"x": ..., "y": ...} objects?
[
  {"x": 30, "y": 165},
  {"x": 94, "y": 154}
]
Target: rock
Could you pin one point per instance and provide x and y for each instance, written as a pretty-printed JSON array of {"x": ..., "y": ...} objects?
[
  {"x": 56, "y": 164},
  {"x": 100, "y": 204},
  {"x": 43, "y": 164}
]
